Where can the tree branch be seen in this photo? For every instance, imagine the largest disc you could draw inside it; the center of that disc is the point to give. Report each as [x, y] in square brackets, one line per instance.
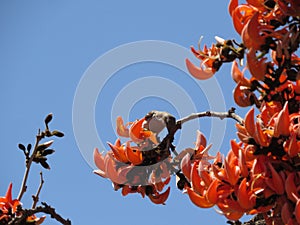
[230, 114]
[44, 209]
[28, 165]
[36, 197]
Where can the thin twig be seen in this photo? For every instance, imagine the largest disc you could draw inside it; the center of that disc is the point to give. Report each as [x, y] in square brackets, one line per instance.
[45, 208]
[36, 196]
[28, 165]
[230, 114]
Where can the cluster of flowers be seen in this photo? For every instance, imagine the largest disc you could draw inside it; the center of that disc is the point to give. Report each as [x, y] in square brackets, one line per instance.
[261, 172]
[11, 209]
[141, 168]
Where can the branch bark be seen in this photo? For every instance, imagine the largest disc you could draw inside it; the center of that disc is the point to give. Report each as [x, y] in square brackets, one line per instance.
[28, 165]
[45, 208]
[222, 115]
[36, 196]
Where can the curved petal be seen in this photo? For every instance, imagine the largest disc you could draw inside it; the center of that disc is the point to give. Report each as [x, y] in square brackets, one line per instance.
[99, 159]
[257, 67]
[211, 194]
[198, 72]
[240, 16]
[8, 194]
[238, 76]
[232, 5]
[242, 163]
[185, 166]
[243, 196]
[250, 123]
[196, 179]
[282, 124]
[234, 215]
[241, 96]
[290, 186]
[275, 181]
[199, 200]
[119, 152]
[252, 33]
[137, 133]
[292, 146]
[201, 140]
[160, 198]
[133, 154]
[122, 130]
[232, 171]
[112, 172]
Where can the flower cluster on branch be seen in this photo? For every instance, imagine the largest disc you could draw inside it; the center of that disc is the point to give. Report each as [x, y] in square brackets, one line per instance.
[260, 175]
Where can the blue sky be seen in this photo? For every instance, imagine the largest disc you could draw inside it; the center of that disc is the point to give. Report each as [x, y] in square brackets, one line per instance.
[46, 48]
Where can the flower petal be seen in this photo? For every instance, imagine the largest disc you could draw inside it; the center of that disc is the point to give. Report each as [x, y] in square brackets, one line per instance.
[198, 72]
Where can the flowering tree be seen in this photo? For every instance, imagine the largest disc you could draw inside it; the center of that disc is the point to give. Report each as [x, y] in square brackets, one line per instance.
[12, 211]
[260, 175]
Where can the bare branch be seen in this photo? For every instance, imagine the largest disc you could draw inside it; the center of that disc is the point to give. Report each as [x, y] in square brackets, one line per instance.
[230, 114]
[36, 197]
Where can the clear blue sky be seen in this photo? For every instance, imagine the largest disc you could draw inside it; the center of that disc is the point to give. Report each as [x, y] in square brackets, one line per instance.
[46, 47]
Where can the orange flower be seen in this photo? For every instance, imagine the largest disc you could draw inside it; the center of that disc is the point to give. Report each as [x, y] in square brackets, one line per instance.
[200, 73]
[7, 204]
[35, 220]
[9, 209]
[136, 131]
[243, 96]
[254, 34]
[238, 75]
[211, 60]
[139, 168]
[241, 14]
[257, 67]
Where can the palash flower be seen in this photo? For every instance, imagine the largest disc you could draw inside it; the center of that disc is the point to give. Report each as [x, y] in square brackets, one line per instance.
[282, 147]
[147, 181]
[240, 14]
[256, 66]
[218, 184]
[257, 20]
[8, 205]
[257, 175]
[254, 32]
[269, 12]
[238, 75]
[9, 209]
[211, 60]
[243, 96]
[273, 123]
[138, 168]
[260, 173]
